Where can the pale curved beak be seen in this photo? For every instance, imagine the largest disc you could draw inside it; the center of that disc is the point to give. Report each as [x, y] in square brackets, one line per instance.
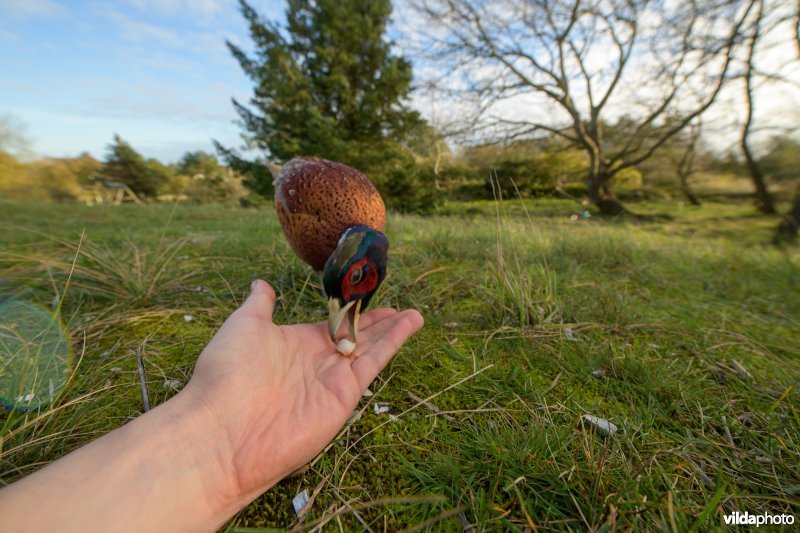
[337, 313]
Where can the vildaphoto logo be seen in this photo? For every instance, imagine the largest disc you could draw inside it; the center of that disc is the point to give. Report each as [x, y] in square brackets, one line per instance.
[746, 519]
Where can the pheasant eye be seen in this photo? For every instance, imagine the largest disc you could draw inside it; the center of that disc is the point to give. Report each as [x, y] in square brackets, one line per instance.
[356, 276]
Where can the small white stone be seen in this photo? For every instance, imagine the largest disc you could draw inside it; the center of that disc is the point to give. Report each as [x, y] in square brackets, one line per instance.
[601, 426]
[188, 318]
[299, 503]
[345, 347]
[173, 384]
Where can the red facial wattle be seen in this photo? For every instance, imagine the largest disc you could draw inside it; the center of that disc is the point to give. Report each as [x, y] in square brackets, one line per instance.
[366, 283]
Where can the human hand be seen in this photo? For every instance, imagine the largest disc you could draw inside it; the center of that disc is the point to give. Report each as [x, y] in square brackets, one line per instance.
[279, 394]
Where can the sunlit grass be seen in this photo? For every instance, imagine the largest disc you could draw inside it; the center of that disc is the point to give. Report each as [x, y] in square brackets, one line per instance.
[522, 305]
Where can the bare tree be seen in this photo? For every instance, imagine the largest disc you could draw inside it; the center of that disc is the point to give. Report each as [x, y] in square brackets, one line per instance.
[685, 165]
[13, 140]
[797, 27]
[564, 67]
[790, 223]
[764, 201]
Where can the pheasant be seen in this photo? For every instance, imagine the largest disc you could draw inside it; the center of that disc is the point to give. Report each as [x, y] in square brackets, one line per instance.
[334, 217]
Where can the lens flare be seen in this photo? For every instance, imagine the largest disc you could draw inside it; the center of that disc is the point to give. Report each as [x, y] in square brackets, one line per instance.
[35, 355]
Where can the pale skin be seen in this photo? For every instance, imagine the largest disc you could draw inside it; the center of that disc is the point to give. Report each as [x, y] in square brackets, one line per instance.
[263, 401]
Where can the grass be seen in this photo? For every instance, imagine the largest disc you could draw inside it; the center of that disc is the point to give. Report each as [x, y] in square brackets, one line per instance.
[680, 327]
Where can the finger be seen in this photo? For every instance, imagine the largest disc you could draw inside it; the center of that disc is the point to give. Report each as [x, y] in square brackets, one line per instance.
[261, 300]
[378, 328]
[373, 317]
[372, 324]
[318, 332]
[385, 344]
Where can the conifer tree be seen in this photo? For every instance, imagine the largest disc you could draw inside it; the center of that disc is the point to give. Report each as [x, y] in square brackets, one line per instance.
[126, 165]
[326, 85]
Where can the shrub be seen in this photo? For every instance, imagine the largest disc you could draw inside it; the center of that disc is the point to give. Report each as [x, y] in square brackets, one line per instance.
[404, 185]
[58, 180]
[782, 161]
[627, 178]
[535, 175]
[407, 186]
[215, 189]
[16, 179]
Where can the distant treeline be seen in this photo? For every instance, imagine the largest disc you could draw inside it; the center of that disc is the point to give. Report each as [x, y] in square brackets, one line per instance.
[124, 175]
[525, 168]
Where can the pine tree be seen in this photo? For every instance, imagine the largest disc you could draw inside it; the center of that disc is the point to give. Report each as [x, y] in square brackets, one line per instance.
[126, 165]
[146, 177]
[326, 85]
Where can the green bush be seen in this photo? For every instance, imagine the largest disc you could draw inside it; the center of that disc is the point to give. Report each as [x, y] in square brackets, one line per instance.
[534, 175]
[782, 161]
[408, 187]
[457, 173]
[215, 189]
[58, 179]
[467, 191]
[404, 185]
[627, 178]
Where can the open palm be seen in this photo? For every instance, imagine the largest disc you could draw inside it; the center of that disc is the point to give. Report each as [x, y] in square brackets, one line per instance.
[281, 393]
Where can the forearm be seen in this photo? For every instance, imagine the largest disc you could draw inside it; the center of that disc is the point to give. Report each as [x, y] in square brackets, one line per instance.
[164, 471]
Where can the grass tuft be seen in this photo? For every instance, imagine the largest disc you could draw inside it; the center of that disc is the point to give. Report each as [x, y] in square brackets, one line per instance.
[679, 327]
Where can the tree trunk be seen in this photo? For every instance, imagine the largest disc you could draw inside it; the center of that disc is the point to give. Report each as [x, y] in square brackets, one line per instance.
[790, 223]
[764, 201]
[600, 194]
[686, 189]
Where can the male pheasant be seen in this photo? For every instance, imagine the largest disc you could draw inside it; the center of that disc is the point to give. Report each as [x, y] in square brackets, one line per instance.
[333, 218]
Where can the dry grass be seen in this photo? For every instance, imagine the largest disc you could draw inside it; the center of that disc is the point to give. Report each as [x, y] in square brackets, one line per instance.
[522, 305]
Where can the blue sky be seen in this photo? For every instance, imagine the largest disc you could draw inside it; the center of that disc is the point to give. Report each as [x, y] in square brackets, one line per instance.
[157, 72]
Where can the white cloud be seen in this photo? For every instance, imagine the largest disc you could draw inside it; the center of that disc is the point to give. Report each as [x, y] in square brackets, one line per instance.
[142, 32]
[8, 36]
[67, 133]
[205, 13]
[32, 8]
[173, 7]
[777, 103]
[163, 102]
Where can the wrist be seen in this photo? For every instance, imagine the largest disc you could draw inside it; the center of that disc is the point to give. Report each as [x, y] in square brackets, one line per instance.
[167, 470]
[238, 474]
[209, 452]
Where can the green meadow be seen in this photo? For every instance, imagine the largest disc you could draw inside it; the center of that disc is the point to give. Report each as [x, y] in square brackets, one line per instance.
[681, 326]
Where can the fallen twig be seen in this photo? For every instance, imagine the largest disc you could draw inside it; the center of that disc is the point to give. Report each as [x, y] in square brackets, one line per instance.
[707, 481]
[728, 435]
[142, 379]
[429, 398]
[432, 407]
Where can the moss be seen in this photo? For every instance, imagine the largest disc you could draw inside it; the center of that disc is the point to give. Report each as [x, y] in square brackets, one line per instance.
[663, 303]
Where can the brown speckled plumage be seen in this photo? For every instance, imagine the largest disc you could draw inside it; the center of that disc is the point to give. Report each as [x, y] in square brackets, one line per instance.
[316, 199]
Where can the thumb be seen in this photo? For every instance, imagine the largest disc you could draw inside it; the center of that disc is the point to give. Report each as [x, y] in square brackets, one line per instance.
[261, 300]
